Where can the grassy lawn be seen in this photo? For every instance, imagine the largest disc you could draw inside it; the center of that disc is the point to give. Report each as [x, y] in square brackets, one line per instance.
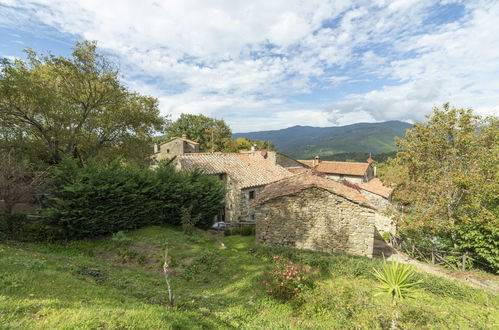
[118, 284]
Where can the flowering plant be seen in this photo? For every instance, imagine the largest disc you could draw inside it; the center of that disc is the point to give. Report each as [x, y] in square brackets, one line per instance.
[285, 279]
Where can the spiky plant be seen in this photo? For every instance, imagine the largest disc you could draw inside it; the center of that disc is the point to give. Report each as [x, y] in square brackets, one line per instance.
[397, 280]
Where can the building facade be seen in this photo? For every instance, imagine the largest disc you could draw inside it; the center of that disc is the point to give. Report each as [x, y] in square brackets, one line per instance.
[245, 175]
[174, 147]
[310, 212]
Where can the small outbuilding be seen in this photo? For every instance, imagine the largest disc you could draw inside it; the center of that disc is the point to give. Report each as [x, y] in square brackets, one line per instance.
[311, 212]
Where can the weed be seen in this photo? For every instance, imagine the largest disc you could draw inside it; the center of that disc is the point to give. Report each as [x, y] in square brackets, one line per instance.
[121, 238]
[202, 266]
[126, 255]
[96, 274]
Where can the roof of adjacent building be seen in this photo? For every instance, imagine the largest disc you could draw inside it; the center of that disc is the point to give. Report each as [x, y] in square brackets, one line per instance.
[180, 138]
[297, 183]
[375, 186]
[330, 167]
[247, 170]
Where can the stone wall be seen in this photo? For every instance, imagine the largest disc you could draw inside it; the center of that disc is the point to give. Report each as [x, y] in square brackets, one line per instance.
[283, 160]
[237, 202]
[350, 178]
[175, 147]
[385, 224]
[316, 219]
[247, 213]
[381, 203]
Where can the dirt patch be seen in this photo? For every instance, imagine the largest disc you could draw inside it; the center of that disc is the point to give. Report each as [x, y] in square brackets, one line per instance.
[137, 255]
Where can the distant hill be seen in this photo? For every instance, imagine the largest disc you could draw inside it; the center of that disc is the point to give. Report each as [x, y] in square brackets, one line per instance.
[305, 142]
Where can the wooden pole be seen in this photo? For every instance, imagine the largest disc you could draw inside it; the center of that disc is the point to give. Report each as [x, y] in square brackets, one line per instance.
[464, 262]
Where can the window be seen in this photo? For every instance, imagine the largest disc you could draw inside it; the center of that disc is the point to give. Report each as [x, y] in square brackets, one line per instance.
[221, 176]
[251, 194]
[167, 151]
[252, 216]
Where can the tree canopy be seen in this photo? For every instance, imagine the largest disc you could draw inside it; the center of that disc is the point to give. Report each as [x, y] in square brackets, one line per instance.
[54, 106]
[447, 176]
[210, 133]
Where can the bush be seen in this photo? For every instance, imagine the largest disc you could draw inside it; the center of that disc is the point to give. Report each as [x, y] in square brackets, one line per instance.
[100, 199]
[285, 280]
[246, 230]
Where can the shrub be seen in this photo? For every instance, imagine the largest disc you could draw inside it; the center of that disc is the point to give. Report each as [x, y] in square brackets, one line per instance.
[285, 280]
[397, 280]
[246, 230]
[100, 199]
[188, 221]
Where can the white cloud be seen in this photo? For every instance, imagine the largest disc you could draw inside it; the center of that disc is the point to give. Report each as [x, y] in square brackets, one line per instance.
[248, 60]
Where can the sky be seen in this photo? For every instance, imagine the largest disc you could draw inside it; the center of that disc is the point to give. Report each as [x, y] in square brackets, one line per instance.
[271, 64]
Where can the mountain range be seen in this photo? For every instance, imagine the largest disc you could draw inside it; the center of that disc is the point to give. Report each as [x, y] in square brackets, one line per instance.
[305, 142]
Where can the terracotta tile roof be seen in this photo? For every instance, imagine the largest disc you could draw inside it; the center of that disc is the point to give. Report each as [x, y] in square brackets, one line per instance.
[338, 167]
[299, 170]
[375, 186]
[180, 138]
[247, 170]
[297, 183]
[308, 162]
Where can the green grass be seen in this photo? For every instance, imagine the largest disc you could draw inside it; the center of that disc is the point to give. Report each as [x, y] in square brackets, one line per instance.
[118, 284]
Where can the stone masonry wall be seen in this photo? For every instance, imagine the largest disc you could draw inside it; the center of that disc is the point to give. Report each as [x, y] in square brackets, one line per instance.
[378, 201]
[246, 210]
[318, 220]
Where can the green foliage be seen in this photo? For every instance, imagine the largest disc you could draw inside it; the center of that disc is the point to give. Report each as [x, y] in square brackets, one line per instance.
[455, 156]
[246, 230]
[304, 142]
[241, 143]
[203, 267]
[53, 106]
[397, 281]
[64, 286]
[202, 129]
[101, 199]
[121, 238]
[188, 221]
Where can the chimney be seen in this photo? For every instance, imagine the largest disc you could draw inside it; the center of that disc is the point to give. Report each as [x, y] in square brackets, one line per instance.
[254, 148]
[184, 136]
[317, 160]
[156, 149]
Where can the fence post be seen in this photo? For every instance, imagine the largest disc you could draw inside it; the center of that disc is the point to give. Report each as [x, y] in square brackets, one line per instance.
[432, 257]
[464, 261]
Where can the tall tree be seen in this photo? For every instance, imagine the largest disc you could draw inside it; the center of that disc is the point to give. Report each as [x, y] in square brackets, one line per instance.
[210, 133]
[448, 177]
[74, 105]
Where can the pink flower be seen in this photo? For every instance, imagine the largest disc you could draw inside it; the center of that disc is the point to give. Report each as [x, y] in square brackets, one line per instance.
[282, 283]
[296, 289]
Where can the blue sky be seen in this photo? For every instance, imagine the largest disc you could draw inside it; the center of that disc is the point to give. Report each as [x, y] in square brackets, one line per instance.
[272, 64]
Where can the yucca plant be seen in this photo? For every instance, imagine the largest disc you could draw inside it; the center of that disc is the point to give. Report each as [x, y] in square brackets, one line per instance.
[397, 280]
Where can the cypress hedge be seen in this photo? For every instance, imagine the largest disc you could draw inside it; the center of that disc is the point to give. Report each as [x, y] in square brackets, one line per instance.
[100, 199]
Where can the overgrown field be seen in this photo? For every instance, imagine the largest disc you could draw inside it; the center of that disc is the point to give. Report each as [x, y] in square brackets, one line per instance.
[117, 283]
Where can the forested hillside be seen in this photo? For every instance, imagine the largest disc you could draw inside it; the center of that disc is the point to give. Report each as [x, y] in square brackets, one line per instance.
[305, 142]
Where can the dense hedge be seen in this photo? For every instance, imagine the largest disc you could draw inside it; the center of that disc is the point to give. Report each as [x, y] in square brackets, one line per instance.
[101, 199]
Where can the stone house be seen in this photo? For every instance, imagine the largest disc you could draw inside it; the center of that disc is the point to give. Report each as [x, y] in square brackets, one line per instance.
[173, 147]
[353, 172]
[376, 192]
[245, 175]
[307, 211]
